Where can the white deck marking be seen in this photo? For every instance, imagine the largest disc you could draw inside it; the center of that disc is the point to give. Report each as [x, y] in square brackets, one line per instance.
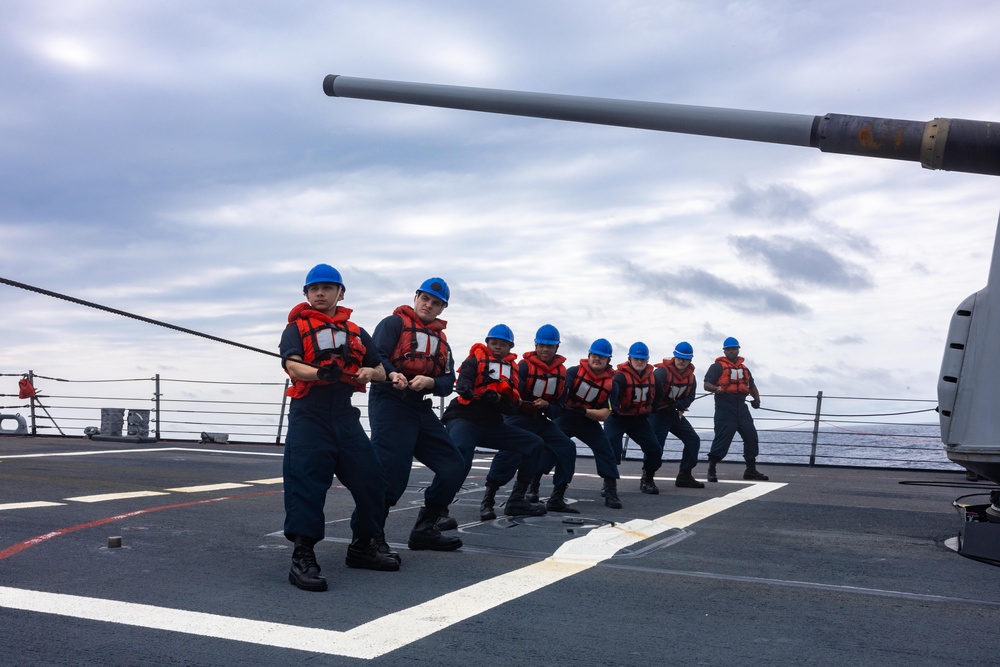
[100, 498]
[209, 487]
[138, 451]
[138, 494]
[28, 505]
[394, 631]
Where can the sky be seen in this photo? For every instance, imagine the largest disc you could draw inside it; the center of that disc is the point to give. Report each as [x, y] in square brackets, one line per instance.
[180, 161]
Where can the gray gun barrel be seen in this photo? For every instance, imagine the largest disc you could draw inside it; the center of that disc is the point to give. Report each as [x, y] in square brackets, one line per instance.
[970, 146]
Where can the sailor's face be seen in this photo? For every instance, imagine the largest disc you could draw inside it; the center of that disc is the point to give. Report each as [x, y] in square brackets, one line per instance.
[732, 353]
[597, 362]
[681, 364]
[638, 364]
[324, 296]
[546, 352]
[499, 348]
[427, 307]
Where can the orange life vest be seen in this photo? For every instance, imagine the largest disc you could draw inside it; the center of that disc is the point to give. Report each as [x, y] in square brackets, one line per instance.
[544, 381]
[589, 389]
[492, 373]
[640, 390]
[327, 341]
[678, 383]
[735, 378]
[422, 349]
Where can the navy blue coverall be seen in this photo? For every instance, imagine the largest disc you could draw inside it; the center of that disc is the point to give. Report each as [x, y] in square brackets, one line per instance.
[559, 450]
[481, 424]
[589, 432]
[637, 428]
[405, 426]
[667, 418]
[325, 438]
[732, 416]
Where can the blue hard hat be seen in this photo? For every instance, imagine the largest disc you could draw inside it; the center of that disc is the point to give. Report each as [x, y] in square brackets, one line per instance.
[436, 287]
[547, 335]
[683, 350]
[638, 351]
[730, 342]
[322, 273]
[601, 347]
[501, 331]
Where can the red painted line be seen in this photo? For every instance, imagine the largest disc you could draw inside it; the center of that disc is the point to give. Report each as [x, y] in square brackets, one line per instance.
[18, 548]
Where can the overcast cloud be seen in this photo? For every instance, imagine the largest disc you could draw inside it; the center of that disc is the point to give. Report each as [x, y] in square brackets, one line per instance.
[800, 261]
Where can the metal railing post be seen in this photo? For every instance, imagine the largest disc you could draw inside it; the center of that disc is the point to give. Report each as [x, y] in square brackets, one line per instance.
[281, 415]
[819, 409]
[156, 403]
[31, 403]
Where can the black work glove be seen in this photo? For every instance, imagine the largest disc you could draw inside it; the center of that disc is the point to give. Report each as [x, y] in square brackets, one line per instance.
[330, 373]
[491, 396]
[465, 394]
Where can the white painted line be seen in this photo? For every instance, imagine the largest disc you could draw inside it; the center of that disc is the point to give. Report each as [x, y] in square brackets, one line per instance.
[100, 498]
[162, 618]
[272, 480]
[139, 451]
[28, 505]
[226, 451]
[394, 631]
[93, 453]
[209, 487]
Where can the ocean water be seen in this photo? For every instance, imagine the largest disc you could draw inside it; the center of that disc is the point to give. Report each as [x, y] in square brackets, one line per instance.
[915, 446]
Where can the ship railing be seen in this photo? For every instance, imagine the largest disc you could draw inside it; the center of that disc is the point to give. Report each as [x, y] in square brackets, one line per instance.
[812, 429]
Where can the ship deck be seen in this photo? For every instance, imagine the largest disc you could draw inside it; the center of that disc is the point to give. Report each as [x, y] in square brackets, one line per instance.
[817, 566]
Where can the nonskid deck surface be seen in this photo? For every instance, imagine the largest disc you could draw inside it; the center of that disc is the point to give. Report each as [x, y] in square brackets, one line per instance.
[817, 566]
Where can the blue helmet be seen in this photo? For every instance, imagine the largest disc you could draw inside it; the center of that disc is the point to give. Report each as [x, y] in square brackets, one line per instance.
[322, 273]
[601, 347]
[730, 342]
[683, 350]
[638, 351]
[547, 335]
[436, 287]
[501, 331]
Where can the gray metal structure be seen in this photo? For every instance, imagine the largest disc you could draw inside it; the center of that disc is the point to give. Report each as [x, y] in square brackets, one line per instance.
[969, 382]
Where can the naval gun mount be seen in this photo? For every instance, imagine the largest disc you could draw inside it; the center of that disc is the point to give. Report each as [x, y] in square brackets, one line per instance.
[969, 381]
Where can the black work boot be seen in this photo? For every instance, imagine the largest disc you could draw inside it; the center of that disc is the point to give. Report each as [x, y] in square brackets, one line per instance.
[611, 493]
[557, 501]
[384, 548]
[517, 505]
[686, 479]
[446, 522]
[305, 570]
[364, 553]
[486, 512]
[712, 477]
[752, 474]
[531, 495]
[426, 534]
[646, 483]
